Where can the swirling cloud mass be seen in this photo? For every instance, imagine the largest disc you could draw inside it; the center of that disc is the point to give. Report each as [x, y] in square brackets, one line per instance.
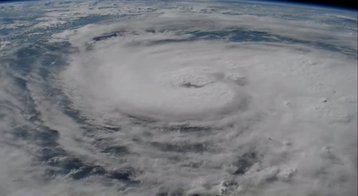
[159, 98]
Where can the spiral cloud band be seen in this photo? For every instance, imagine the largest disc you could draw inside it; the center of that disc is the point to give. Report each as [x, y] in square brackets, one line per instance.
[163, 82]
[180, 99]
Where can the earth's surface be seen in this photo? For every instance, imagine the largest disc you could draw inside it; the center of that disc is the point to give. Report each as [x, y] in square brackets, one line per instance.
[167, 98]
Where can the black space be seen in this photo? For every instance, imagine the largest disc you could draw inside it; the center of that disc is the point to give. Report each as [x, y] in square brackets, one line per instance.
[343, 4]
[13, 0]
[9, 1]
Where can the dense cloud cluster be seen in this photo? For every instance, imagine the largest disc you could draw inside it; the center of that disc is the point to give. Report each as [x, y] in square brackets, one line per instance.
[179, 99]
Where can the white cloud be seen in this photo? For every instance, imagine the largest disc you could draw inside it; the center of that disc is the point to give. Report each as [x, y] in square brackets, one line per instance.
[196, 116]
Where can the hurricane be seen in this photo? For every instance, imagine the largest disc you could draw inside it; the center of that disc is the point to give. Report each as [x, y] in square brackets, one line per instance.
[177, 98]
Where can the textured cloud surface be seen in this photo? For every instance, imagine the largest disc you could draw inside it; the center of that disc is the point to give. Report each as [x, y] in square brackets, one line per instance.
[111, 98]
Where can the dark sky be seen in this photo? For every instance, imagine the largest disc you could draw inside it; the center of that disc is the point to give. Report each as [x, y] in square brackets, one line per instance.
[5, 1]
[345, 4]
